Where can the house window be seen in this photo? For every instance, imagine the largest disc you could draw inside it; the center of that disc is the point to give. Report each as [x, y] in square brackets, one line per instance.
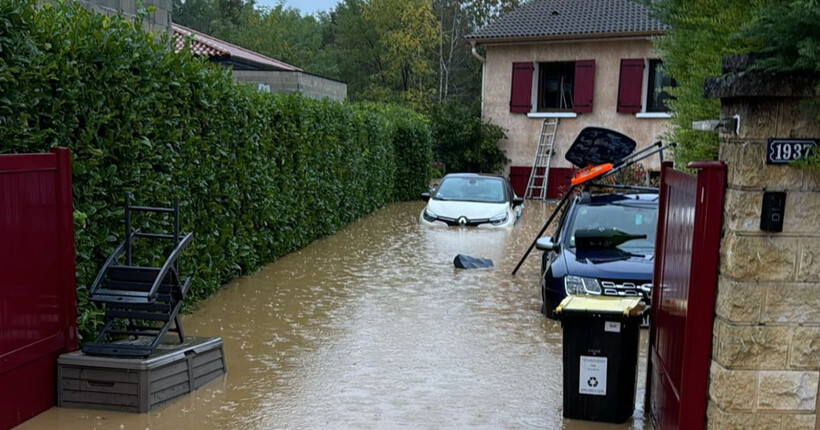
[560, 87]
[640, 88]
[555, 86]
[656, 96]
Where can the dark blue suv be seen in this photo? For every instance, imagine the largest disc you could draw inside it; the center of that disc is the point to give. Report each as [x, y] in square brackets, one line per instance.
[618, 262]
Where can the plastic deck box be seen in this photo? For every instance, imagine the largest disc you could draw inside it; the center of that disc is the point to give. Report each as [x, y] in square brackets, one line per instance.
[138, 384]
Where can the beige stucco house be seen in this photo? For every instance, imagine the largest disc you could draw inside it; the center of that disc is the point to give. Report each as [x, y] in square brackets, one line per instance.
[585, 62]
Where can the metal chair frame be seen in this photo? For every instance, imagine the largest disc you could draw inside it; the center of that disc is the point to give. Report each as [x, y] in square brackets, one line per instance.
[138, 293]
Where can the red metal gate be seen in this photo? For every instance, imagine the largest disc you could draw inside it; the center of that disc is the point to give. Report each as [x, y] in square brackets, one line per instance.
[37, 296]
[683, 294]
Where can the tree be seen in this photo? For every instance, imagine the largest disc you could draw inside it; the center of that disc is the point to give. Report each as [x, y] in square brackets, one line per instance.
[462, 141]
[788, 32]
[703, 31]
[457, 69]
[407, 34]
[357, 50]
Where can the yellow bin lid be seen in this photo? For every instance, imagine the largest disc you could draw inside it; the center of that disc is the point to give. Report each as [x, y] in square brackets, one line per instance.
[626, 306]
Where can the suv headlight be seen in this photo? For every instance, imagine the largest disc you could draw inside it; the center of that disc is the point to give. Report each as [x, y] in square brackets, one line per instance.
[581, 285]
[429, 215]
[499, 219]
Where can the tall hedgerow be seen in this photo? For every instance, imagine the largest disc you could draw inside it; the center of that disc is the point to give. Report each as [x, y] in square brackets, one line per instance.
[258, 175]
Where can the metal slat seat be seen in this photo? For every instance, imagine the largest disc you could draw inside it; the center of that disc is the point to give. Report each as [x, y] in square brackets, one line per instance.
[132, 293]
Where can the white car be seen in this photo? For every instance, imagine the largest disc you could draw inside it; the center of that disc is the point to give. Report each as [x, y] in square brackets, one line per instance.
[472, 200]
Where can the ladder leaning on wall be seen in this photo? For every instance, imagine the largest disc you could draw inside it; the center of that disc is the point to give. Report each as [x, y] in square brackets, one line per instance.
[543, 155]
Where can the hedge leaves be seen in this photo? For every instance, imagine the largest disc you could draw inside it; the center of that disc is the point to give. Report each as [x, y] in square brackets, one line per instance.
[258, 175]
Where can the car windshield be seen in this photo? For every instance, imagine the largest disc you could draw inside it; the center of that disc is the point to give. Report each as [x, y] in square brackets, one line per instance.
[485, 190]
[631, 219]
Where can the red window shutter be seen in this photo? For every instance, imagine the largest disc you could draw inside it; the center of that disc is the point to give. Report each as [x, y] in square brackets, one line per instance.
[631, 85]
[584, 86]
[521, 94]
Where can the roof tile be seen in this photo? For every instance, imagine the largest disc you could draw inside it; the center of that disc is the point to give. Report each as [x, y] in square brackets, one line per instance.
[556, 18]
[205, 45]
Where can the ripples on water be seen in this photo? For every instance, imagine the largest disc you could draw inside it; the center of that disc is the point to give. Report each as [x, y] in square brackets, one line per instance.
[374, 328]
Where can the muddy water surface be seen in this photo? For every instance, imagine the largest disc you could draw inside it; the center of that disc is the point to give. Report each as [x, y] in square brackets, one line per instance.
[374, 328]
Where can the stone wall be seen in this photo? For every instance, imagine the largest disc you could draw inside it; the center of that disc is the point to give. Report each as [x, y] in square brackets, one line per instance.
[766, 337]
[312, 86]
[158, 21]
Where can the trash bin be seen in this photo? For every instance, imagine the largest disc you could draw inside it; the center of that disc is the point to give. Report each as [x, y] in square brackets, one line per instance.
[600, 356]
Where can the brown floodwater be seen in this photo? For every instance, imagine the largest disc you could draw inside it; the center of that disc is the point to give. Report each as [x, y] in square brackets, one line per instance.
[374, 328]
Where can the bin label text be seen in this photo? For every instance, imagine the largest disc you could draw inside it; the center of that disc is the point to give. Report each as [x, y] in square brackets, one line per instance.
[612, 326]
[593, 376]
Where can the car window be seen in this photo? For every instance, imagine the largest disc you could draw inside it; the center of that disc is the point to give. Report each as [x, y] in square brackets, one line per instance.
[488, 190]
[631, 219]
[561, 221]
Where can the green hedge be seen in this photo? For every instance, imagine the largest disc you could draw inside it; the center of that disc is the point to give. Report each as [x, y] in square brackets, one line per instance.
[258, 175]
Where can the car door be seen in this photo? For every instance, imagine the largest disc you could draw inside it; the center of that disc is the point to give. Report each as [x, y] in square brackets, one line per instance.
[549, 257]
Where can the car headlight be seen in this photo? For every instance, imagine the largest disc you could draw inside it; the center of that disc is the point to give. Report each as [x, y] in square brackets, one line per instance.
[581, 285]
[429, 215]
[499, 219]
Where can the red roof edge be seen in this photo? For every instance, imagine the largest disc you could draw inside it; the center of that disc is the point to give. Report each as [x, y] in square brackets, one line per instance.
[206, 45]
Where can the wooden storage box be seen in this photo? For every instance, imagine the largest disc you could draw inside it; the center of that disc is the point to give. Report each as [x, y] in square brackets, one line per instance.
[138, 385]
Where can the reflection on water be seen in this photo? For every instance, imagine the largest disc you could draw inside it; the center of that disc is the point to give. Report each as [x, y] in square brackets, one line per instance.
[374, 328]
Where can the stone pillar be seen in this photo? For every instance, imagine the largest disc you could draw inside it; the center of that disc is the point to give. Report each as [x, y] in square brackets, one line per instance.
[766, 336]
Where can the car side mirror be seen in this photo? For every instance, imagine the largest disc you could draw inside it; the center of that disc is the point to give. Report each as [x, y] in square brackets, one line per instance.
[546, 244]
[426, 196]
[518, 201]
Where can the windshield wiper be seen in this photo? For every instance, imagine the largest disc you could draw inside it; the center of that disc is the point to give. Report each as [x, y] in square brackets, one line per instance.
[603, 238]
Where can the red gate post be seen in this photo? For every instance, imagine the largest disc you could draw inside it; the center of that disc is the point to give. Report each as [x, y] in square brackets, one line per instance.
[697, 348]
[683, 295]
[65, 250]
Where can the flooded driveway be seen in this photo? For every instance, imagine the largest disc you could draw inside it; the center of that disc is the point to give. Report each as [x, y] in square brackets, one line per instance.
[374, 328]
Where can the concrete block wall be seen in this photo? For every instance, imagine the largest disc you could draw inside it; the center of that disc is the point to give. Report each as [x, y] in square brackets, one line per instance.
[315, 87]
[766, 338]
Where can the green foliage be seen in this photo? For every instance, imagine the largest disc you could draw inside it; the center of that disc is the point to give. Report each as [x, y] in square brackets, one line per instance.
[408, 52]
[701, 34]
[258, 175]
[412, 145]
[634, 174]
[463, 142]
[788, 32]
[389, 51]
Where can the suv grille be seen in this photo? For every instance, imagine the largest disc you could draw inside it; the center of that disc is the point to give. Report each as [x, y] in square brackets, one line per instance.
[627, 289]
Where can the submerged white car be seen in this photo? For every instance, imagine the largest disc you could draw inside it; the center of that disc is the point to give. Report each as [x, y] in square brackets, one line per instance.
[472, 200]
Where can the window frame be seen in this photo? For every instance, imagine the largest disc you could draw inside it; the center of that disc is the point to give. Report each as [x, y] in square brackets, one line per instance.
[537, 93]
[649, 88]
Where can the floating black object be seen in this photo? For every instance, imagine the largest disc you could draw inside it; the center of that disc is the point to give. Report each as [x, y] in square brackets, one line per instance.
[466, 262]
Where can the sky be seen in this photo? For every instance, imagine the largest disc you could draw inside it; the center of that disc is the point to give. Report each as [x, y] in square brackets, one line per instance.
[306, 6]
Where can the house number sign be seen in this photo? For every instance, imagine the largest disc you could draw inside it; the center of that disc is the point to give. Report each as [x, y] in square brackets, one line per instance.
[784, 151]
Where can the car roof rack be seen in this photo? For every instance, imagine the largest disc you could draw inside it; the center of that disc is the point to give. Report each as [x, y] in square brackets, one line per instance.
[600, 153]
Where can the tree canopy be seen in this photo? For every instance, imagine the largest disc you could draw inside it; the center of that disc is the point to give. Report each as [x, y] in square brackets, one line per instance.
[703, 32]
[407, 51]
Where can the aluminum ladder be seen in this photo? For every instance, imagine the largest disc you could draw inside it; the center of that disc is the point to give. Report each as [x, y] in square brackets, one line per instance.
[543, 156]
